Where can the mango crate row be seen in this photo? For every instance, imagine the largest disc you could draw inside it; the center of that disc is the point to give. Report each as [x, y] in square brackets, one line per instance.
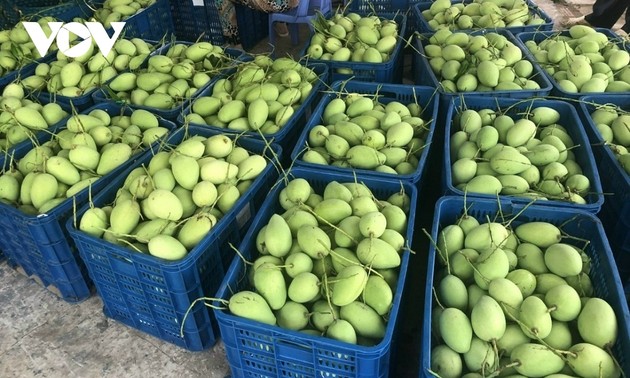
[45, 178]
[44, 186]
[568, 64]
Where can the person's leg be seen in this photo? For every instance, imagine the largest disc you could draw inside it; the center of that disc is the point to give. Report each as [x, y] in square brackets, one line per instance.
[574, 21]
[626, 25]
[271, 6]
[606, 13]
[281, 29]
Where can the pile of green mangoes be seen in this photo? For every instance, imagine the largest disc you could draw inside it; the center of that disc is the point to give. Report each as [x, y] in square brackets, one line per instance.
[613, 125]
[353, 38]
[120, 10]
[21, 118]
[17, 49]
[482, 63]
[528, 155]
[328, 263]
[171, 78]
[584, 60]
[516, 300]
[90, 146]
[168, 206]
[484, 14]
[74, 77]
[365, 132]
[262, 95]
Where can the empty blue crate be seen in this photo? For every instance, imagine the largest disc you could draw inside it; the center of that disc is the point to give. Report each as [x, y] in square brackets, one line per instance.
[194, 21]
[426, 97]
[257, 349]
[153, 294]
[253, 25]
[518, 109]
[386, 72]
[537, 37]
[580, 229]
[40, 244]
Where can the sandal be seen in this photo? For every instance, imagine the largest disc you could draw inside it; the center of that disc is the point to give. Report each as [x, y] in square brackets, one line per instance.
[575, 21]
[622, 33]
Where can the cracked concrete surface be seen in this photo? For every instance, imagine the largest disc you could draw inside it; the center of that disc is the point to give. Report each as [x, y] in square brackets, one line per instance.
[42, 336]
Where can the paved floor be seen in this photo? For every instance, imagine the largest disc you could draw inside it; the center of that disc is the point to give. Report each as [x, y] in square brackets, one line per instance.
[43, 336]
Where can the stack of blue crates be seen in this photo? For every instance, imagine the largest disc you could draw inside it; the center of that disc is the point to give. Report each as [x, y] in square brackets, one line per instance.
[604, 220]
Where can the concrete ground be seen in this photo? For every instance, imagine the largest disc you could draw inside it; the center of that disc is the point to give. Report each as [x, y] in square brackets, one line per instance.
[43, 336]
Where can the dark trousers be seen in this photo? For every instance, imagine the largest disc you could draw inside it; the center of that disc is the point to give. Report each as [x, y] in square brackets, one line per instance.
[606, 13]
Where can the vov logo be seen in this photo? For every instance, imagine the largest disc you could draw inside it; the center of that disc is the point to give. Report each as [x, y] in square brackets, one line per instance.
[89, 31]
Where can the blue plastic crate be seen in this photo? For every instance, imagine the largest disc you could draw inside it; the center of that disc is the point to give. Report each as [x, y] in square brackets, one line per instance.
[253, 26]
[40, 136]
[6, 79]
[61, 10]
[153, 295]
[41, 245]
[542, 35]
[604, 276]
[615, 181]
[568, 118]
[615, 213]
[193, 22]
[12, 11]
[260, 350]
[24, 71]
[618, 232]
[80, 103]
[378, 6]
[86, 100]
[385, 6]
[386, 72]
[287, 135]
[423, 25]
[424, 75]
[154, 22]
[589, 104]
[102, 95]
[427, 98]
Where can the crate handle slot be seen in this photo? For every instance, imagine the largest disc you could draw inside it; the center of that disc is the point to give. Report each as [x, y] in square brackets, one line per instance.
[122, 258]
[293, 350]
[387, 94]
